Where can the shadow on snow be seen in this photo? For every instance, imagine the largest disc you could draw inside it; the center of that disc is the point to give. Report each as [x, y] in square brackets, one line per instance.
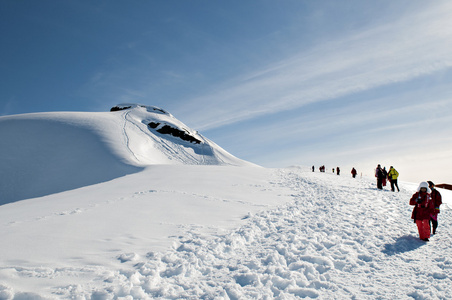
[403, 244]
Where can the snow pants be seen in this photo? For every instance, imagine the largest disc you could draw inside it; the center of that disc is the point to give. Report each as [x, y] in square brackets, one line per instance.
[423, 226]
[394, 184]
[434, 222]
[380, 184]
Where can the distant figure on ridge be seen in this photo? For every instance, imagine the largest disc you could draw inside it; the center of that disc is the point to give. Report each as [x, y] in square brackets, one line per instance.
[354, 172]
[333, 170]
[338, 171]
[379, 174]
[424, 207]
[313, 168]
[436, 197]
[392, 176]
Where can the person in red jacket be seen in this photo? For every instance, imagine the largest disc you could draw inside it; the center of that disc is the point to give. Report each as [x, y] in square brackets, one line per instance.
[436, 197]
[423, 208]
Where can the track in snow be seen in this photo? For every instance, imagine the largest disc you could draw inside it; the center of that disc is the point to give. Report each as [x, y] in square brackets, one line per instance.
[346, 240]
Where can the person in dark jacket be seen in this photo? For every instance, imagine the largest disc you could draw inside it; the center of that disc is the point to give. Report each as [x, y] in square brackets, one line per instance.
[380, 175]
[436, 197]
[354, 172]
[423, 208]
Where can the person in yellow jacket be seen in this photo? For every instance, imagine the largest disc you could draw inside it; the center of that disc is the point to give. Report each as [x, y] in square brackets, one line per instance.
[392, 175]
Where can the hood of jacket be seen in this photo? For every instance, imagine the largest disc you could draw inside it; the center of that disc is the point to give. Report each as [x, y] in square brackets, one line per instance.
[424, 184]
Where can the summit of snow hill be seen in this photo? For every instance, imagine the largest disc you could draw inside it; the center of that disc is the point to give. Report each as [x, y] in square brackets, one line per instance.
[50, 152]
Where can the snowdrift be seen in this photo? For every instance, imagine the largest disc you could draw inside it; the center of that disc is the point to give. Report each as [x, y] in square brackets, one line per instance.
[46, 153]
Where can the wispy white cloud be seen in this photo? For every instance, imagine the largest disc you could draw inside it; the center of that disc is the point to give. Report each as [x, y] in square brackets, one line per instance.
[416, 45]
[356, 133]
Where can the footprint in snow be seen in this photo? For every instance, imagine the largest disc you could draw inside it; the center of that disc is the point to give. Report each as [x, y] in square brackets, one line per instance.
[125, 257]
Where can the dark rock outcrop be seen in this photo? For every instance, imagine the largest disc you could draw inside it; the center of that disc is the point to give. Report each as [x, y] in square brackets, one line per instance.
[117, 108]
[444, 186]
[148, 108]
[166, 129]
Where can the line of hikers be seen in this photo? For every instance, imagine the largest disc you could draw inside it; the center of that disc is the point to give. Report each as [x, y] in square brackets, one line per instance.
[338, 170]
[322, 169]
[426, 200]
[383, 175]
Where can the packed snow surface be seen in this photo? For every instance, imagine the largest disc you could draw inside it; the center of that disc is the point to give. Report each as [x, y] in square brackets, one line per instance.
[219, 232]
[108, 206]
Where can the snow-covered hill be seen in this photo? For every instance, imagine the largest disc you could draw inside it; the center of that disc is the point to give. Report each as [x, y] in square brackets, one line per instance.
[135, 205]
[45, 153]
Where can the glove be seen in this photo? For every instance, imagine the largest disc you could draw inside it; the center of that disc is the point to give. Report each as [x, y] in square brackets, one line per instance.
[418, 200]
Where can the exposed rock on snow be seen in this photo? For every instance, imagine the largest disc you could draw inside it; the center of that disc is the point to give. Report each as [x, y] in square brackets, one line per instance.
[445, 186]
[166, 129]
[147, 107]
[118, 108]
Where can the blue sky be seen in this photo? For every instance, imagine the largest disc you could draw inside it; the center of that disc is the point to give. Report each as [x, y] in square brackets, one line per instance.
[278, 83]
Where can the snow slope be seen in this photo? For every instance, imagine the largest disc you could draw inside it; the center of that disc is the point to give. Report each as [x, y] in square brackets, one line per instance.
[114, 206]
[218, 232]
[45, 153]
